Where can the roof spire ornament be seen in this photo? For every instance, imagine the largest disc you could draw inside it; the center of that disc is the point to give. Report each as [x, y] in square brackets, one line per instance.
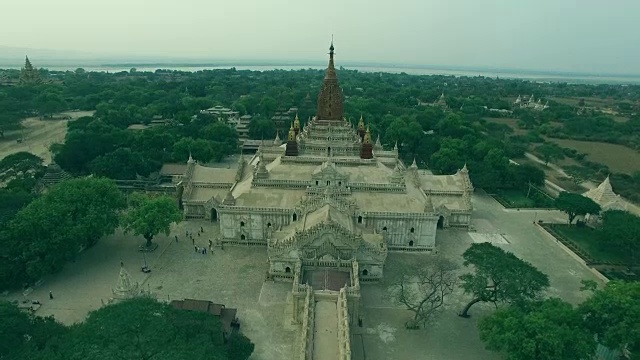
[414, 166]
[330, 105]
[277, 141]
[367, 136]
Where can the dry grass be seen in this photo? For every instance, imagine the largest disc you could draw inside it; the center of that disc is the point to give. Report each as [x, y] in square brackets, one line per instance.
[618, 158]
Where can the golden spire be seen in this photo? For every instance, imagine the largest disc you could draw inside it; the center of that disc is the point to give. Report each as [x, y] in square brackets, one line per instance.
[361, 123]
[292, 134]
[296, 123]
[367, 136]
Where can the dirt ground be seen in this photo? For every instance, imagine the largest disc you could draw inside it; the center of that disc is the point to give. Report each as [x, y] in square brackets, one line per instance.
[38, 135]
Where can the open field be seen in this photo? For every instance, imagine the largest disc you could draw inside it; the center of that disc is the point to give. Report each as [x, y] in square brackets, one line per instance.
[618, 158]
[38, 135]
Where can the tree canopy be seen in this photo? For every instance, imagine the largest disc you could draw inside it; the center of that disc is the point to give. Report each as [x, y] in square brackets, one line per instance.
[576, 204]
[149, 216]
[621, 229]
[499, 277]
[53, 228]
[139, 328]
[550, 329]
[613, 314]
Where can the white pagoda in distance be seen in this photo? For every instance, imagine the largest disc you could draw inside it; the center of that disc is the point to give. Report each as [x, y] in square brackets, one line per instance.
[605, 197]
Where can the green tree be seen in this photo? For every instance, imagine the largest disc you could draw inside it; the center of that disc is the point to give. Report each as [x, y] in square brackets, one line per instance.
[23, 334]
[499, 277]
[150, 216]
[549, 153]
[54, 227]
[138, 328]
[622, 230]
[21, 171]
[576, 204]
[262, 128]
[544, 330]
[613, 314]
[121, 164]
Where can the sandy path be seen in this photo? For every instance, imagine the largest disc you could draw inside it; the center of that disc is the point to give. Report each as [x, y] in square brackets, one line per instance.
[38, 136]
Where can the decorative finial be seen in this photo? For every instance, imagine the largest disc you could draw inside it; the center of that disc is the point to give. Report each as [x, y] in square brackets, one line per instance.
[296, 122]
[413, 164]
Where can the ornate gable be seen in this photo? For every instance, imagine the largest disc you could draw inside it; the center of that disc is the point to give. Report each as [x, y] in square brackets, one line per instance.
[328, 172]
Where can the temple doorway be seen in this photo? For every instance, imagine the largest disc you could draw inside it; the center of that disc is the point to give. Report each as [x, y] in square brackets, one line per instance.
[214, 215]
[441, 222]
[329, 151]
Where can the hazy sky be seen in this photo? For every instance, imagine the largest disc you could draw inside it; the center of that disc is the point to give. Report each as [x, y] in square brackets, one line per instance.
[580, 35]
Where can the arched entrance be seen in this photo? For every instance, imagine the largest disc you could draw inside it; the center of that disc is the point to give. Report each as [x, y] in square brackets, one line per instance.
[214, 215]
[365, 272]
[329, 151]
[441, 222]
[287, 270]
[411, 243]
[242, 237]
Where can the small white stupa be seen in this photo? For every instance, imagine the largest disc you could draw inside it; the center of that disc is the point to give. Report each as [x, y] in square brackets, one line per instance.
[604, 196]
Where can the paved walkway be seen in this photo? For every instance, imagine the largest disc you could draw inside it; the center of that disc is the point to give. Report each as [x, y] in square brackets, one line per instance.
[325, 337]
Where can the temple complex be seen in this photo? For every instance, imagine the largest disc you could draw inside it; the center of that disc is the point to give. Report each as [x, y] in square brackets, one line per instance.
[329, 204]
[326, 197]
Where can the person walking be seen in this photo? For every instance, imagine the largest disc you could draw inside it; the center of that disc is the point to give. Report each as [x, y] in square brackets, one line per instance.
[193, 241]
[50, 295]
[201, 229]
[195, 247]
[176, 238]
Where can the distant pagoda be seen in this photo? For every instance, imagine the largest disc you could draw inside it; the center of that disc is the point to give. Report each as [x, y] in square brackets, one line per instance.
[29, 75]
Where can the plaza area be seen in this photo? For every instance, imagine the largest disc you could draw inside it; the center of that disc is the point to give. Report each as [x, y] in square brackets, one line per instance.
[235, 276]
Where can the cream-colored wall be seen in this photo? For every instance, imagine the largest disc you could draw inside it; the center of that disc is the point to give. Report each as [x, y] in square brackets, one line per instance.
[399, 233]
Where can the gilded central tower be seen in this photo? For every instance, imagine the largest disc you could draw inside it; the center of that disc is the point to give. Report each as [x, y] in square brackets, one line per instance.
[330, 97]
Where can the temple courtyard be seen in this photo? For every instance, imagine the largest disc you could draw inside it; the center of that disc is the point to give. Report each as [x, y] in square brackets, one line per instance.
[235, 276]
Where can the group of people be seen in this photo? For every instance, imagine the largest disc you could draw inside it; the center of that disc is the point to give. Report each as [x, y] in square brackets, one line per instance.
[196, 248]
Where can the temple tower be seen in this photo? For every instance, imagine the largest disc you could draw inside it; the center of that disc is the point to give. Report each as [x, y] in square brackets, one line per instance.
[330, 97]
[296, 125]
[366, 151]
[28, 74]
[361, 129]
[292, 145]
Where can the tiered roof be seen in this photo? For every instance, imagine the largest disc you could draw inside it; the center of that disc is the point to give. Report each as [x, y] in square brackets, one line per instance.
[605, 197]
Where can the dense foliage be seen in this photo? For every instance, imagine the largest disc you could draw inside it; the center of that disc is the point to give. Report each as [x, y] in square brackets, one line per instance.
[140, 328]
[54, 227]
[550, 329]
[394, 105]
[613, 314]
